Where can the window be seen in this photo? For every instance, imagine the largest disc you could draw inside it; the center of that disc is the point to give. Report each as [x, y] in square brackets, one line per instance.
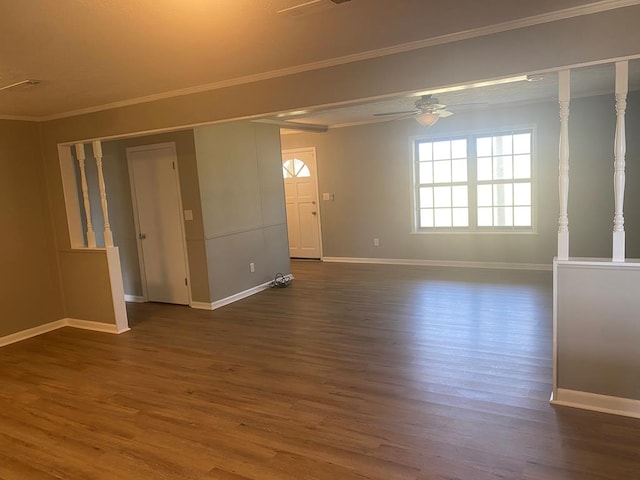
[477, 182]
[295, 168]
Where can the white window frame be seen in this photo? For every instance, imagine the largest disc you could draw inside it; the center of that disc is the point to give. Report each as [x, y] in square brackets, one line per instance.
[472, 182]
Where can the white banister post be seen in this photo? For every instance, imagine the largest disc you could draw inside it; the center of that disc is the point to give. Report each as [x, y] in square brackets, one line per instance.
[620, 148]
[91, 236]
[97, 153]
[564, 97]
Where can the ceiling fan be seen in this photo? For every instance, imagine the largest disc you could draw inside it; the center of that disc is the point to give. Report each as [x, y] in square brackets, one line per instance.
[428, 110]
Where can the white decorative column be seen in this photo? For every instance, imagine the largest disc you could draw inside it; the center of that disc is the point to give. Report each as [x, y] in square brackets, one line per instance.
[97, 153]
[91, 236]
[620, 148]
[564, 96]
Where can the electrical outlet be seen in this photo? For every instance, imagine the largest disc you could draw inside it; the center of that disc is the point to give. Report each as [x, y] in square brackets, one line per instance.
[252, 267]
[376, 242]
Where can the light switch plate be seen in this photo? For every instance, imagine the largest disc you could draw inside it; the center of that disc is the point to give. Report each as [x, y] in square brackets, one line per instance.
[188, 214]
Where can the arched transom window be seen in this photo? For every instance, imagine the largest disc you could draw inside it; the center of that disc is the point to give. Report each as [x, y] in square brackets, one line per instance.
[295, 168]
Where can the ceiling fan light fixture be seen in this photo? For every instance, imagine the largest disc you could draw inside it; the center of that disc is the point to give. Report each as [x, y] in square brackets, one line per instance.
[427, 119]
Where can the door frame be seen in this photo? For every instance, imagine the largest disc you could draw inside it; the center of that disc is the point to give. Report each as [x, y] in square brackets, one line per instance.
[315, 172]
[136, 220]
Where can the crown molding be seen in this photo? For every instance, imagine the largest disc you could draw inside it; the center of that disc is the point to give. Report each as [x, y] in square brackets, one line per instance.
[21, 118]
[593, 8]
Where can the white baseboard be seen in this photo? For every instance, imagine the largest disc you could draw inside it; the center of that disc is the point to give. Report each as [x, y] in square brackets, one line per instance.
[201, 305]
[94, 326]
[235, 297]
[133, 298]
[599, 403]
[31, 332]
[441, 263]
[64, 322]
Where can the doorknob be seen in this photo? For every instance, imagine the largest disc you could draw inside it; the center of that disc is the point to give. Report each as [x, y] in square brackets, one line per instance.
[314, 213]
[142, 236]
[313, 202]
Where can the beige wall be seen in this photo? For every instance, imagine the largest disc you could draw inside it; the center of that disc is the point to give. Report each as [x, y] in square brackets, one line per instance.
[29, 284]
[369, 169]
[544, 46]
[243, 208]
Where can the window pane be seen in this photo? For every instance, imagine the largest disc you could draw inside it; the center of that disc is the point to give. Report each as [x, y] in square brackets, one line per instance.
[426, 197]
[485, 196]
[442, 171]
[459, 170]
[426, 172]
[303, 172]
[485, 169]
[441, 150]
[502, 168]
[503, 216]
[483, 147]
[442, 196]
[424, 151]
[522, 143]
[459, 148]
[503, 194]
[459, 194]
[286, 173]
[460, 217]
[522, 166]
[426, 218]
[442, 217]
[522, 194]
[502, 145]
[522, 216]
[485, 217]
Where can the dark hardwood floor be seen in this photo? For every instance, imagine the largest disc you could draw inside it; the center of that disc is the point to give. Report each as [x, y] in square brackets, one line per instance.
[353, 372]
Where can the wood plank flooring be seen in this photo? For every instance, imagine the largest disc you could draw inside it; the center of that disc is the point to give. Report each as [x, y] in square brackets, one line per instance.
[353, 372]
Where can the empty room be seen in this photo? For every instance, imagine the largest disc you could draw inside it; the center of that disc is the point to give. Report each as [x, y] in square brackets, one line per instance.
[287, 239]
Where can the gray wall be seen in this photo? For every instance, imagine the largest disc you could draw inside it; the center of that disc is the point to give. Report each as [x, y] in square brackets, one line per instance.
[240, 174]
[598, 329]
[368, 168]
[121, 207]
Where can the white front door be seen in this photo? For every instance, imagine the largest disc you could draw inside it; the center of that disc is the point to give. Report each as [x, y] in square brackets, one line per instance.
[301, 193]
[158, 214]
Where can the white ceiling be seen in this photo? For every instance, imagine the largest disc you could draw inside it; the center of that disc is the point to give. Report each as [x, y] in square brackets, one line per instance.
[93, 53]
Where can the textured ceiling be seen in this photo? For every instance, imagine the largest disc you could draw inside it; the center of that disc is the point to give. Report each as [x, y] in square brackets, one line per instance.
[89, 53]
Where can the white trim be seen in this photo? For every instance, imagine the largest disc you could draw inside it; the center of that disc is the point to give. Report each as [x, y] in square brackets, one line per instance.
[117, 289]
[94, 326]
[441, 263]
[567, 13]
[312, 150]
[31, 332]
[201, 305]
[554, 355]
[234, 298]
[55, 325]
[136, 219]
[133, 298]
[20, 118]
[596, 402]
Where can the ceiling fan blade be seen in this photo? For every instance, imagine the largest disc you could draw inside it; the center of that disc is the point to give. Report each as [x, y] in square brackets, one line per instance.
[444, 113]
[405, 112]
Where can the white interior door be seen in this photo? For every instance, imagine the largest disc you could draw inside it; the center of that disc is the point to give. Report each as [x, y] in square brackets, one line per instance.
[158, 214]
[301, 192]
